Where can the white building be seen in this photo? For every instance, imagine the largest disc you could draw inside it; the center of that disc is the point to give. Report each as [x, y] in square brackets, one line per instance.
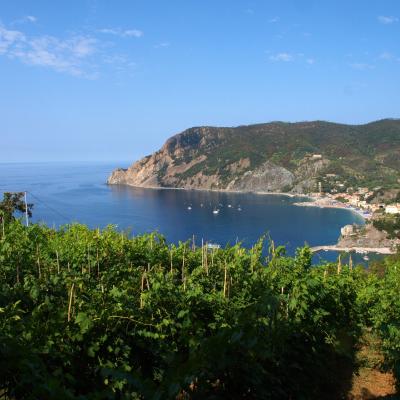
[392, 209]
[316, 156]
[347, 230]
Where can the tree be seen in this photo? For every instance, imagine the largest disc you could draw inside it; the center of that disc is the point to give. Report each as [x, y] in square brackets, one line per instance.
[13, 203]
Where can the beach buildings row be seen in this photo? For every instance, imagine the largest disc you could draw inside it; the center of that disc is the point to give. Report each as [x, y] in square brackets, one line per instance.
[357, 200]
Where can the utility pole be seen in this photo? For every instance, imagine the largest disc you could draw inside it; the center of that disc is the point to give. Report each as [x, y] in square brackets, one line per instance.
[26, 210]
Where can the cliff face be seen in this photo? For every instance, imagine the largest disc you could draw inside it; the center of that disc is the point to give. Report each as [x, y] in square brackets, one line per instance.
[178, 164]
[266, 157]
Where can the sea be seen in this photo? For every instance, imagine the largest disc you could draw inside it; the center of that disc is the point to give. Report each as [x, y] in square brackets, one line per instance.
[64, 193]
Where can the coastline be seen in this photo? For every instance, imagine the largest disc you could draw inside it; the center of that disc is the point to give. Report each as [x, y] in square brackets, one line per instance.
[320, 202]
[360, 250]
[311, 201]
[262, 193]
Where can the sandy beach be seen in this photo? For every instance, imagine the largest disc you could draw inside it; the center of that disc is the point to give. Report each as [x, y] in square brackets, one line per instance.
[361, 250]
[325, 202]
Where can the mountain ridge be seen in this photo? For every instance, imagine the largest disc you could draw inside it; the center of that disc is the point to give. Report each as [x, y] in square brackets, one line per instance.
[274, 156]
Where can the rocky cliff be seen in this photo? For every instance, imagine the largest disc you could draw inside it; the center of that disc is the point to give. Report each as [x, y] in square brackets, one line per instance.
[276, 156]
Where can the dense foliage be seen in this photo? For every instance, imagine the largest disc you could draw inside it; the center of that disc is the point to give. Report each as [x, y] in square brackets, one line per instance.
[389, 223]
[98, 315]
[383, 302]
[13, 203]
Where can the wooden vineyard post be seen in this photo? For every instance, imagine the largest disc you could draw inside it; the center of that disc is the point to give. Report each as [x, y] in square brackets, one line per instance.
[38, 261]
[183, 268]
[58, 262]
[225, 275]
[202, 253]
[88, 258]
[206, 258]
[98, 263]
[70, 301]
[141, 290]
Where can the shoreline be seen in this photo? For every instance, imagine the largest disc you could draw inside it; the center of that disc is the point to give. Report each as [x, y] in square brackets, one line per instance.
[310, 201]
[291, 195]
[316, 203]
[359, 250]
[313, 201]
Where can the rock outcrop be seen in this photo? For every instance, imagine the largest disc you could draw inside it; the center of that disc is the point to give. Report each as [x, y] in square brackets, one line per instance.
[365, 236]
[267, 177]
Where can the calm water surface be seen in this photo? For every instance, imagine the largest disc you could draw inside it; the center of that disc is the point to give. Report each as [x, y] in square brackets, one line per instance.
[66, 192]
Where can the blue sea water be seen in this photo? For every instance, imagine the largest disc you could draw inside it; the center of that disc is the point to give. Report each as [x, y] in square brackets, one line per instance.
[77, 192]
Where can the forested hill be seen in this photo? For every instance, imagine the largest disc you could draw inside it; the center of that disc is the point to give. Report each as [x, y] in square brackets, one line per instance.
[275, 156]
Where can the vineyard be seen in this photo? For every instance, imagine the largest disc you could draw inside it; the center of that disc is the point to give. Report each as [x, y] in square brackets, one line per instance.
[90, 314]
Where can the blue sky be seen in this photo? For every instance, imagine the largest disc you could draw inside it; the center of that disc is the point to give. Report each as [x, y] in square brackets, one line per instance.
[112, 80]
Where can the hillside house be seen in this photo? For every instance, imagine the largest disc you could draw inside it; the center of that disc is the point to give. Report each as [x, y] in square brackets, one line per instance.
[393, 209]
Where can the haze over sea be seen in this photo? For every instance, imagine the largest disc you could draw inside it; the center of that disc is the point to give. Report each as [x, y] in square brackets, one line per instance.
[76, 192]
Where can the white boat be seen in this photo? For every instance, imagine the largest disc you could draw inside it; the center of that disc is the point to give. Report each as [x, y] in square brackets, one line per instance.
[216, 211]
[239, 208]
[229, 206]
[213, 246]
[189, 208]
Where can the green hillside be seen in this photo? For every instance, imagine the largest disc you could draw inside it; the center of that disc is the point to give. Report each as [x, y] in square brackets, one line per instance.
[366, 155]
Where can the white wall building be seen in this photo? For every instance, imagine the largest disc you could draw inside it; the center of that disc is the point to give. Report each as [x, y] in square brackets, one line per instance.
[347, 230]
[392, 209]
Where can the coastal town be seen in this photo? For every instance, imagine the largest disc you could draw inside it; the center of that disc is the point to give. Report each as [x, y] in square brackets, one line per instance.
[355, 201]
[379, 208]
[336, 192]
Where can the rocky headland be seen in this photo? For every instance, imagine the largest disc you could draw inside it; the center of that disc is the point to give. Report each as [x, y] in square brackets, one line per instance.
[272, 157]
